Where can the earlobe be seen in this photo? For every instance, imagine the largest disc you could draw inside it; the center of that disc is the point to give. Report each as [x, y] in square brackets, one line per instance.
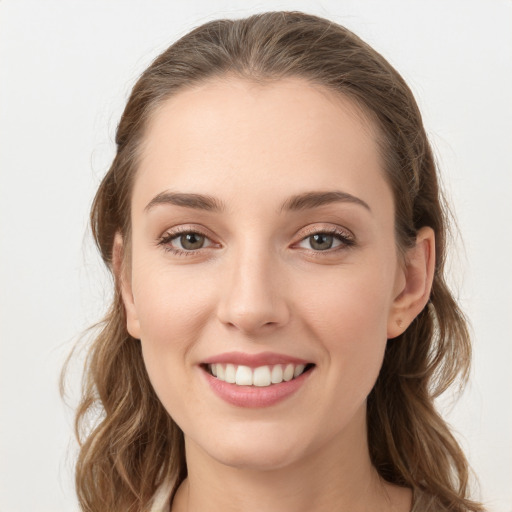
[418, 275]
[123, 281]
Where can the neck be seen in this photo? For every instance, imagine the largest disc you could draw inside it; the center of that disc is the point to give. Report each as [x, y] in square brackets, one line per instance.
[338, 476]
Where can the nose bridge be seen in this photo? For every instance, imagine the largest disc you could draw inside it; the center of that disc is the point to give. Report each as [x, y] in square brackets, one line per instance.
[252, 297]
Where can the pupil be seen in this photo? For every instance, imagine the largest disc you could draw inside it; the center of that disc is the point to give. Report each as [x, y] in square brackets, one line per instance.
[192, 241]
[321, 242]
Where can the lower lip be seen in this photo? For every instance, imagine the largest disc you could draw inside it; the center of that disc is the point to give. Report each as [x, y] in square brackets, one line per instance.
[254, 396]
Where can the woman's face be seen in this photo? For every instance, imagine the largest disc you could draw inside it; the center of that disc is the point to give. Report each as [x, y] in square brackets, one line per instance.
[263, 244]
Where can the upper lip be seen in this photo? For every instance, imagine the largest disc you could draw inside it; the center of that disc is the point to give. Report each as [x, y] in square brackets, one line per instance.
[254, 360]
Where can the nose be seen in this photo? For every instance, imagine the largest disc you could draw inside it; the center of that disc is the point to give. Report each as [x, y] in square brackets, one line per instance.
[253, 295]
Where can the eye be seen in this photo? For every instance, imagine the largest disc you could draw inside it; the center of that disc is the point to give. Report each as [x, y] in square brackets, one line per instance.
[183, 242]
[325, 240]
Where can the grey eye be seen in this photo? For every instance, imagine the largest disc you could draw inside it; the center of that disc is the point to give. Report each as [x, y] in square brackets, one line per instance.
[191, 241]
[321, 241]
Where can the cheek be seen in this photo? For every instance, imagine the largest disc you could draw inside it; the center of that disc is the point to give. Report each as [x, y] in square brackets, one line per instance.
[171, 305]
[172, 312]
[349, 318]
[352, 304]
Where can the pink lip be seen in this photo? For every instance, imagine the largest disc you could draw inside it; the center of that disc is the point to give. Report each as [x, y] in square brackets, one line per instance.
[253, 396]
[254, 360]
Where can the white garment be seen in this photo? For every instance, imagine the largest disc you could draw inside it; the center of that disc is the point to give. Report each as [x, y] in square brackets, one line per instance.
[422, 502]
[161, 501]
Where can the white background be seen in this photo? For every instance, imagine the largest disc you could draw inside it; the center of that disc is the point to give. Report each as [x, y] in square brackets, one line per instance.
[66, 68]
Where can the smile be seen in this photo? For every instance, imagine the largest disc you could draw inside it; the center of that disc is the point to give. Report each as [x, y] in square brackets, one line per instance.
[261, 376]
[256, 380]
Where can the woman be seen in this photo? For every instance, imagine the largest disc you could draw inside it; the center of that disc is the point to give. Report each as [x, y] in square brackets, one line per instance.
[281, 324]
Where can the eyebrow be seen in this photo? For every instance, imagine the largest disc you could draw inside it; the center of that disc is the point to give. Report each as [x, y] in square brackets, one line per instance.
[299, 202]
[195, 201]
[309, 200]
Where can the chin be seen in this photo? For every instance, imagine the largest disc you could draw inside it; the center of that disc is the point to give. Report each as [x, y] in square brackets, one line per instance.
[256, 458]
[258, 452]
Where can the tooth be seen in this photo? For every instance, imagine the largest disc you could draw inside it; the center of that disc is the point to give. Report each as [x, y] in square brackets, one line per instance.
[298, 370]
[230, 373]
[261, 376]
[277, 374]
[288, 372]
[243, 376]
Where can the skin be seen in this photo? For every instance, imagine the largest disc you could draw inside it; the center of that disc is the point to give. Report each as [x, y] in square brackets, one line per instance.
[259, 285]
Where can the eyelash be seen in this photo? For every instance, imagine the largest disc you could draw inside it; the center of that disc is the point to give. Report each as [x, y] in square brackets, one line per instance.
[347, 240]
[166, 239]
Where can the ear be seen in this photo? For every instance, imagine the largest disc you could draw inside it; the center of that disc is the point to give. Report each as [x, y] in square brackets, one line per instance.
[123, 279]
[415, 283]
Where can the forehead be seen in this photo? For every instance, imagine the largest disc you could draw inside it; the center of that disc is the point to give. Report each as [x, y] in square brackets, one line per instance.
[230, 137]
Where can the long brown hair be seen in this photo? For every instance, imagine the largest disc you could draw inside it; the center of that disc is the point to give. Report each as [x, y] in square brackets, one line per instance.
[131, 444]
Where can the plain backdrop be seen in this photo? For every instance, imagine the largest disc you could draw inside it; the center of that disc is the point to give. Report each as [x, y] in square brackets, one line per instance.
[66, 68]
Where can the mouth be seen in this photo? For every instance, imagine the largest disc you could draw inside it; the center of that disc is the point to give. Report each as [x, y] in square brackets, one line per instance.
[260, 376]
